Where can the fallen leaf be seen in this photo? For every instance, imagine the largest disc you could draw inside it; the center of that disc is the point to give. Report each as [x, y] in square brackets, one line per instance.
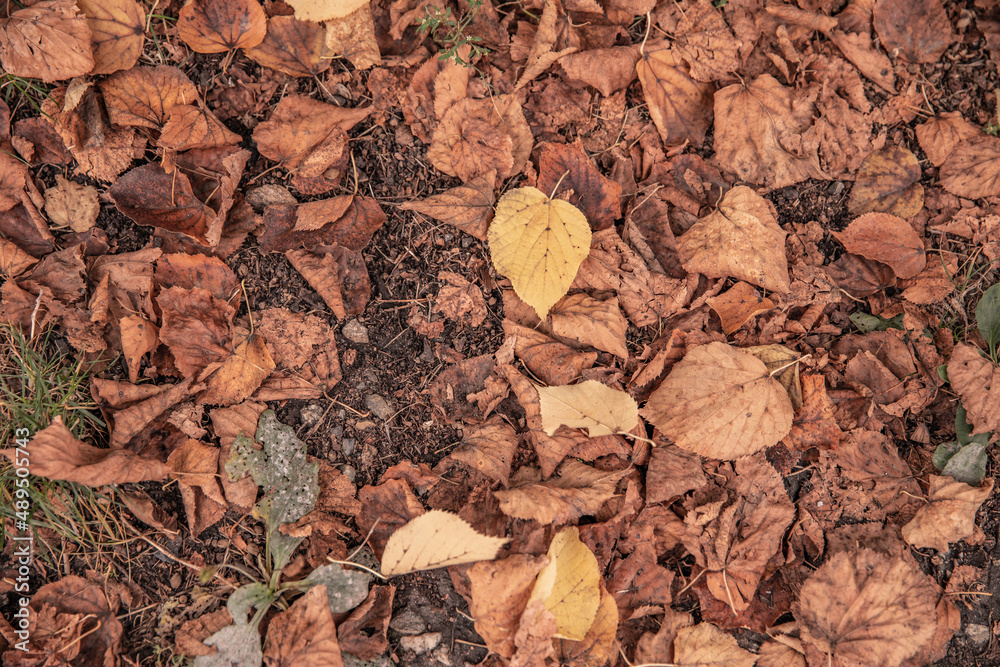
[977, 381]
[118, 29]
[301, 345]
[680, 106]
[353, 38]
[324, 10]
[144, 96]
[579, 490]
[326, 222]
[705, 644]
[459, 300]
[50, 40]
[499, 592]
[384, 509]
[478, 136]
[949, 515]
[241, 374]
[551, 361]
[940, 135]
[705, 42]
[228, 423]
[721, 403]
[864, 608]
[598, 647]
[190, 127]
[150, 196]
[72, 205]
[737, 305]
[339, 276]
[538, 243]
[197, 327]
[436, 539]
[741, 239]
[783, 366]
[672, 472]
[583, 321]
[547, 47]
[886, 238]
[567, 168]
[195, 466]
[569, 585]
[13, 260]
[888, 181]
[38, 142]
[919, 31]
[55, 454]
[590, 405]
[638, 582]
[217, 26]
[294, 47]
[488, 448]
[858, 48]
[304, 634]
[139, 337]
[363, 633]
[467, 207]
[971, 169]
[608, 70]
[860, 277]
[237, 644]
[758, 127]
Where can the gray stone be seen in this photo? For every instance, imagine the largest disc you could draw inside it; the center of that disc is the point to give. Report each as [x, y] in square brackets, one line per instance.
[349, 472]
[356, 332]
[977, 634]
[378, 406]
[312, 413]
[265, 195]
[408, 622]
[421, 643]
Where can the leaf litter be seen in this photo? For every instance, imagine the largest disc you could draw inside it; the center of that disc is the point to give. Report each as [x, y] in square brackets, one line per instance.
[611, 309]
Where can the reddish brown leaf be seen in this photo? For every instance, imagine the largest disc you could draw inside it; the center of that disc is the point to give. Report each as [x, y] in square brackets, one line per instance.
[918, 30]
[295, 47]
[738, 304]
[190, 127]
[478, 136]
[468, 207]
[150, 196]
[886, 238]
[196, 327]
[680, 106]
[940, 135]
[118, 28]
[339, 276]
[577, 491]
[144, 96]
[362, 634]
[570, 168]
[352, 230]
[217, 26]
[609, 70]
[305, 634]
[49, 40]
[888, 182]
[972, 169]
[861, 277]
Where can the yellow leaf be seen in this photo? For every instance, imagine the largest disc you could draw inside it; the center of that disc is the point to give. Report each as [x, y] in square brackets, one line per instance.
[539, 244]
[241, 374]
[436, 539]
[590, 405]
[324, 10]
[783, 364]
[704, 644]
[599, 647]
[570, 585]
[721, 403]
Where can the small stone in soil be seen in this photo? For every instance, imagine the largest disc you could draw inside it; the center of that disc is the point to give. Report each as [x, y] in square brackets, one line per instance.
[312, 413]
[347, 446]
[356, 332]
[977, 634]
[349, 472]
[408, 622]
[420, 643]
[378, 406]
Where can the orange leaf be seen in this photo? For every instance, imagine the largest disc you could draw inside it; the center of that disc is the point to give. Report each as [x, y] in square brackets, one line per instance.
[885, 238]
[217, 26]
[49, 40]
[118, 29]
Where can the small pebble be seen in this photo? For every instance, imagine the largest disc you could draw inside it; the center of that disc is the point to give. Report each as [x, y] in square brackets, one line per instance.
[378, 406]
[347, 446]
[312, 413]
[349, 472]
[265, 195]
[977, 634]
[420, 643]
[836, 188]
[356, 332]
[408, 622]
[175, 580]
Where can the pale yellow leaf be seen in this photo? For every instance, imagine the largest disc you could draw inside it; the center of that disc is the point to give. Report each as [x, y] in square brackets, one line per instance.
[436, 539]
[570, 585]
[705, 645]
[539, 244]
[721, 403]
[324, 10]
[590, 405]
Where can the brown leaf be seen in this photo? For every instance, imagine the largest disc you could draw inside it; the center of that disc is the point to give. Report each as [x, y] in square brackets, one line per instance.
[584, 321]
[815, 424]
[919, 30]
[305, 634]
[547, 47]
[467, 207]
[608, 70]
[150, 196]
[190, 127]
[139, 337]
[217, 26]
[680, 106]
[579, 490]
[118, 28]
[385, 508]
[949, 515]
[477, 136]
[13, 260]
[705, 644]
[189, 271]
[737, 305]
[860, 277]
[858, 48]
[72, 205]
[353, 37]
[362, 634]
[863, 608]
[550, 360]
[598, 647]
[55, 454]
[144, 96]
[321, 223]
[972, 170]
[189, 637]
[489, 448]
[49, 40]
[885, 238]
[294, 47]
[672, 472]
[227, 424]
[757, 133]
[302, 345]
[741, 239]
[339, 276]
[195, 466]
[459, 300]
[38, 142]
[888, 182]
[703, 39]
[940, 135]
[241, 374]
[569, 167]
[977, 381]
[197, 327]
[499, 591]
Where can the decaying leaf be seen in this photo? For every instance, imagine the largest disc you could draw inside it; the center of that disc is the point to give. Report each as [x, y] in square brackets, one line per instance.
[918, 30]
[577, 491]
[705, 644]
[598, 408]
[217, 26]
[721, 403]
[118, 29]
[294, 47]
[72, 205]
[738, 304]
[304, 634]
[680, 106]
[539, 244]
[468, 207]
[324, 10]
[864, 608]
[569, 585]
[970, 170]
[436, 539]
[49, 40]
[948, 516]
[888, 182]
[500, 591]
[583, 321]
[888, 239]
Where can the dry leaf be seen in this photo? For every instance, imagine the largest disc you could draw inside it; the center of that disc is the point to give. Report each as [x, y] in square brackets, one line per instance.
[363, 633]
[13, 260]
[353, 37]
[241, 374]
[918, 30]
[467, 207]
[858, 48]
[489, 448]
[539, 244]
[888, 239]
[550, 361]
[569, 585]
[598, 647]
[118, 29]
[72, 205]
[672, 472]
[305, 634]
[741, 239]
[217, 26]
[50, 40]
[499, 591]
[324, 10]
[190, 127]
[478, 136]
[459, 300]
[863, 608]
[758, 128]
[948, 516]
[436, 539]
[609, 70]
[583, 321]
[737, 305]
[197, 327]
[578, 490]
[888, 181]
[294, 47]
[721, 403]
[55, 454]
[339, 276]
[972, 170]
[940, 135]
[704, 645]
[680, 106]
[977, 381]
[569, 168]
[139, 337]
[144, 96]
[590, 405]
[150, 196]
